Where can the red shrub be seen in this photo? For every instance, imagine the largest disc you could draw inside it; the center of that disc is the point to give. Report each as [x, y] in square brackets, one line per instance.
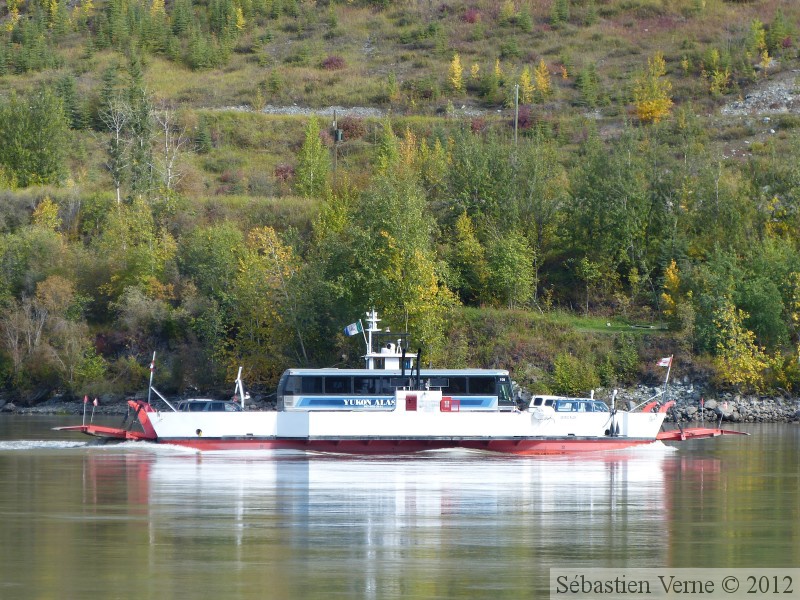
[477, 125]
[525, 120]
[352, 127]
[231, 176]
[333, 63]
[327, 137]
[473, 15]
[284, 172]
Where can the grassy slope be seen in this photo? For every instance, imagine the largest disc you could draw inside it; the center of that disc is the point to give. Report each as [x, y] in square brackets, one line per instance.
[414, 43]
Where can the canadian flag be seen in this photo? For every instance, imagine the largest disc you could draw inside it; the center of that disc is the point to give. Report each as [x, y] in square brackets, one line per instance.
[85, 399]
[665, 362]
[94, 402]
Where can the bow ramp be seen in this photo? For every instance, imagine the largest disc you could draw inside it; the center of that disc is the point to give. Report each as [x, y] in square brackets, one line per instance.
[109, 433]
[695, 433]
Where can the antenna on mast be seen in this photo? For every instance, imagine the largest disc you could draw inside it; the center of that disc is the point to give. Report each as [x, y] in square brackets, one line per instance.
[152, 371]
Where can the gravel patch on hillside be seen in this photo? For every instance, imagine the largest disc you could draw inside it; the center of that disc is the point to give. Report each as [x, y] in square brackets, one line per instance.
[344, 111]
[773, 96]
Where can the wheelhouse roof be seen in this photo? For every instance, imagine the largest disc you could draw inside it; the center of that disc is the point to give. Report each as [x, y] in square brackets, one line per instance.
[396, 372]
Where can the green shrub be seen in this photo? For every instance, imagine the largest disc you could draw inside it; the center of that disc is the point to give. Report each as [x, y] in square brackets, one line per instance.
[574, 376]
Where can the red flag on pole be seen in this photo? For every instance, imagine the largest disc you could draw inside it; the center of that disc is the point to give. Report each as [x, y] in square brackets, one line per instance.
[85, 399]
[665, 362]
[94, 402]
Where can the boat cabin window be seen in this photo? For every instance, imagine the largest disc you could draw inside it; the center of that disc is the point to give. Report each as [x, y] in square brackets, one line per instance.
[456, 385]
[396, 383]
[542, 402]
[311, 385]
[338, 385]
[437, 383]
[293, 385]
[365, 386]
[208, 406]
[579, 405]
[482, 385]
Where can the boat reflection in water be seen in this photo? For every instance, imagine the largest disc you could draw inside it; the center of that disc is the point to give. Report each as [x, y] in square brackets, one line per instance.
[441, 523]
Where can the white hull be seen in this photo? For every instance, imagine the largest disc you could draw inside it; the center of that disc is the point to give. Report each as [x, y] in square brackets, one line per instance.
[401, 425]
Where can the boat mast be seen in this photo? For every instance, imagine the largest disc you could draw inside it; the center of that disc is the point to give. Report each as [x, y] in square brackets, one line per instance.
[666, 379]
[151, 389]
[239, 389]
[388, 355]
[372, 326]
[152, 371]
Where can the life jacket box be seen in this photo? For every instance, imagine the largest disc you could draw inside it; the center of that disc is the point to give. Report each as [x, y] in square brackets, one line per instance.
[449, 405]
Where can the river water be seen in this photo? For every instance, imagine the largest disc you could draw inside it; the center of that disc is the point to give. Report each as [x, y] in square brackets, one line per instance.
[143, 521]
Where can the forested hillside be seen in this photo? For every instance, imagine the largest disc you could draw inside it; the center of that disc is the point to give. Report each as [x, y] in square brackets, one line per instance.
[566, 188]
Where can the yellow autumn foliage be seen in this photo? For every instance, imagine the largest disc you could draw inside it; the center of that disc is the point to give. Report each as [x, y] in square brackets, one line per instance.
[739, 360]
[456, 77]
[651, 91]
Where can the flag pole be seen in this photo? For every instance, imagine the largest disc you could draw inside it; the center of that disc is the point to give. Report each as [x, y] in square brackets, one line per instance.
[152, 370]
[85, 400]
[364, 335]
[666, 379]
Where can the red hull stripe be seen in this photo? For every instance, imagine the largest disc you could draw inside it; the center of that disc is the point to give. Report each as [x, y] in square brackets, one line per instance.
[531, 446]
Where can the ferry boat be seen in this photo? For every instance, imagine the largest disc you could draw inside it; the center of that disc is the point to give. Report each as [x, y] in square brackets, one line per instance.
[393, 406]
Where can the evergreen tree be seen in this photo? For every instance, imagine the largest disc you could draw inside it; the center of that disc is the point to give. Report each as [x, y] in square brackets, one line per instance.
[181, 17]
[108, 92]
[67, 90]
[588, 83]
[141, 128]
[35, 135]
[779, 31]
[203, 142]
[559, 12]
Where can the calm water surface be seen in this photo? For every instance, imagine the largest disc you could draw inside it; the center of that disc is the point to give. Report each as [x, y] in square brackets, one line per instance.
[143, 521]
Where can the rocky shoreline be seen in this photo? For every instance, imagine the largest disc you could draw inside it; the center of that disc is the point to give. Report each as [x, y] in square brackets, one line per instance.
[692, 404]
